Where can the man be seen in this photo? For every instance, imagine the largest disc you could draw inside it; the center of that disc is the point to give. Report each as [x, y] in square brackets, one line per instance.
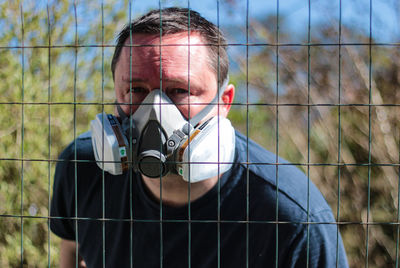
[247, 212]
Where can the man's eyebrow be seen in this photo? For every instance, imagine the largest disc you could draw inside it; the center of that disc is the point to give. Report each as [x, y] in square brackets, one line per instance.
[131, 79]
[169, 80]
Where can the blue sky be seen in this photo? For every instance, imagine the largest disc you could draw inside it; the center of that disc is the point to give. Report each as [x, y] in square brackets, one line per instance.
[355, 13]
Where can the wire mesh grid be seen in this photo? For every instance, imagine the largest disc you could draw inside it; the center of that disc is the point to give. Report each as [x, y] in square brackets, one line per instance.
[327, 102]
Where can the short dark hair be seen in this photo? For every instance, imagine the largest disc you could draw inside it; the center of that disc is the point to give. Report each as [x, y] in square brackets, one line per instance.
[176, 20]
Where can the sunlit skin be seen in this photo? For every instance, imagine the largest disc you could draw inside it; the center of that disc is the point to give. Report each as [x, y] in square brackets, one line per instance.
[177, 69]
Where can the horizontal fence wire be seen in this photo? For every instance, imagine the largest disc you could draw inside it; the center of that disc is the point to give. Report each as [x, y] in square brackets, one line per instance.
[211, 162]
[361, 44]
[204, 221]
[202, 103]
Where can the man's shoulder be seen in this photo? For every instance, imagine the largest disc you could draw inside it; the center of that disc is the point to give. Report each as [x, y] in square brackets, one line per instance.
[80, 148]
[265, 164]
[77, 161]
[271, 175]
[77, 156]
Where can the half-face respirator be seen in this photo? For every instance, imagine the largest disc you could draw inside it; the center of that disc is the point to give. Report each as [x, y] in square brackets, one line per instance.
[157, 139]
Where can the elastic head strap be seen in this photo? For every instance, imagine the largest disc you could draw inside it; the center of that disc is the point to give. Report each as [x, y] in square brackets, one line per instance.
[203, 113]
[126, 122]
[121, 113]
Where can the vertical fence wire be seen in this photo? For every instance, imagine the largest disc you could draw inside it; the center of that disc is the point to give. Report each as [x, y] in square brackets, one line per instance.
[22, 130]
[277, 137]
[219, 181]
[103, 198]
[49, 135]
[247, 138]
[75, 144]
[189, 150]
[398, 202]
[369, 132]
[308, 128]
[131, 216]
[160, 148]
[339, 132]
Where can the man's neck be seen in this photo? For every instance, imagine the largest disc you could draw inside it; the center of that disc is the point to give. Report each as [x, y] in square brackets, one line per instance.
[175, 191]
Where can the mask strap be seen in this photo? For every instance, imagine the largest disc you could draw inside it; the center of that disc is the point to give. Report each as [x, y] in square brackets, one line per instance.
[125, 122]
[197, 118]
[120, 112]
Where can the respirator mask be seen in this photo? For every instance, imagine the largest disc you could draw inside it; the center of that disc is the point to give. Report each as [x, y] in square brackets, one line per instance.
[157, 140]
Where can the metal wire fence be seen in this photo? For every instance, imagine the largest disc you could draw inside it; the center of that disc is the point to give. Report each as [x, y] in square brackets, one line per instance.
[316, 84]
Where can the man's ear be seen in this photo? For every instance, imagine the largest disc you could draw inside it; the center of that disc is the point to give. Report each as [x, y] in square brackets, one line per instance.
[227, 99]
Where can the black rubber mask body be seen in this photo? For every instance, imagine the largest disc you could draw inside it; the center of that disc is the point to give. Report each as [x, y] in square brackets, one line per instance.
[152, 151]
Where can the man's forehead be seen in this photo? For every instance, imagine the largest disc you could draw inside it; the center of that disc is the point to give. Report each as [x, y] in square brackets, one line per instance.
[145, 48]
[146, 58]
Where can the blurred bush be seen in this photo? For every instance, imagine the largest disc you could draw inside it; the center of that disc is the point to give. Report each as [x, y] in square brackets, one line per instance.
[45, 103]
[334, 112]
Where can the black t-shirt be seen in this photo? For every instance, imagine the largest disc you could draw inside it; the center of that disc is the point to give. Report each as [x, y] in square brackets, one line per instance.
[244, 220]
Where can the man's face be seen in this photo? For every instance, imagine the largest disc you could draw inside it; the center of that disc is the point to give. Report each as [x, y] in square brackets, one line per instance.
[177, 70]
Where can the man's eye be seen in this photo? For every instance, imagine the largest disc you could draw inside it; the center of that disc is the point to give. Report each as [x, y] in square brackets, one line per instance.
[138, 90]
[178, 91]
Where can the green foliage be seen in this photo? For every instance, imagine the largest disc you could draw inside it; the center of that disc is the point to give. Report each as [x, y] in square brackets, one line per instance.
[353, 146]
[38, 115]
